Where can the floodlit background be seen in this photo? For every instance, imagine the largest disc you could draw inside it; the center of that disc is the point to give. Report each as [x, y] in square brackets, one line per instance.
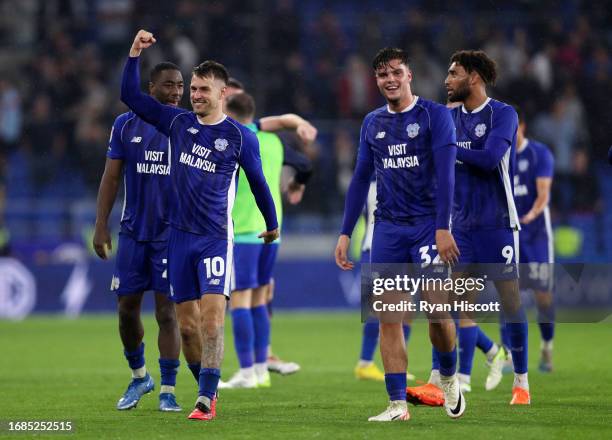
[61, 64]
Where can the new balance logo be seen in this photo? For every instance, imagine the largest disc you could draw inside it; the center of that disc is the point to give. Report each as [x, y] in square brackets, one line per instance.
[192, 130]
[380, 135]
[136, 139]
[115, 283]
[215, 282]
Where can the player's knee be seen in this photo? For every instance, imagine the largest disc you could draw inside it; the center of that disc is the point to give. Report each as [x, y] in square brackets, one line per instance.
[544, 300]
[128, 311]
[189, 330]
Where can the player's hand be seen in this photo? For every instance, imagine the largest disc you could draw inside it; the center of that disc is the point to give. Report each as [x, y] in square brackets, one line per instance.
[269, 236]
[306, 132]
[447, 248]
[342, 253]
[143, 40]
[295, 192]
[527, 218]
[102, 242]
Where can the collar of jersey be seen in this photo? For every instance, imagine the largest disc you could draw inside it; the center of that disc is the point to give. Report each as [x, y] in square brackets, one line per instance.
[477, 109]
[407, 109]
[214, 123]
[523, 145]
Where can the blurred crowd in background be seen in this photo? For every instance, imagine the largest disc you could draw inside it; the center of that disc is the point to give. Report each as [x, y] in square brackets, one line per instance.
[61, 64]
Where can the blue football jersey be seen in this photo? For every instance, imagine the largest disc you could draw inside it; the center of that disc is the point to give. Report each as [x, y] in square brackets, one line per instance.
[483, 197]
[533, 160]
[400, 148]
[144, 152]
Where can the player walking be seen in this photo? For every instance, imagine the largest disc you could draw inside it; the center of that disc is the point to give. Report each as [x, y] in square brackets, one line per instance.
[140, 152]
[410, 144]
[205, 148]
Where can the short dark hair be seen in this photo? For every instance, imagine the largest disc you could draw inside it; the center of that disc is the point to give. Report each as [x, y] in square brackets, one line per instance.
[233, 82]
[476, 61]
[387, 54]
[211, 68]
[159, 68]
[241, 105]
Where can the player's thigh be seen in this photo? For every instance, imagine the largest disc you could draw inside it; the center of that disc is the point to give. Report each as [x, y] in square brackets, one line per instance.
[183, 266]
[215, 266]
[498, 253]
[536, 267]
[130, 275]
[265, 265]
[246, 261]
[389, 256]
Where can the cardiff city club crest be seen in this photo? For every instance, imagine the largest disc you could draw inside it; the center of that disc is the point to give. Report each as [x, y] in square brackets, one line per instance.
[523, 165]
[480, 130]
[221, 144]
[412, 130]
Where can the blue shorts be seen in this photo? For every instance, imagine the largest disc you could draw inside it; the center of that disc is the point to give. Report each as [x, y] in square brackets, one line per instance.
[140, 266]
[406, 244]
[198, 264]
[490, 252]
[253, 265]
[536, 260]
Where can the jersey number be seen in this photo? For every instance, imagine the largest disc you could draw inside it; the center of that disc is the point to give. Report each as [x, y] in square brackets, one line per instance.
[426, 258]
[214, 266]
[508, 253]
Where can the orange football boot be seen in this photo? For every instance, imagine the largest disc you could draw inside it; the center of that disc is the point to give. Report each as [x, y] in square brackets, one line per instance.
[520, 396]
[202, 412]
[428, 394]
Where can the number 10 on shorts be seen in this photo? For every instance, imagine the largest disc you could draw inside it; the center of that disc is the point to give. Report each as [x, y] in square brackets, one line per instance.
[214, 267]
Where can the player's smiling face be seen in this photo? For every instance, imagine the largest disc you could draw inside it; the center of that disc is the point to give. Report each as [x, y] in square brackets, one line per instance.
[206, 94]
[457, 83]
[393, 81]
[168, 87]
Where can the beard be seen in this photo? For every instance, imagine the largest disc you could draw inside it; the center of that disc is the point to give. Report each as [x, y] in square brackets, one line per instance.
[460, 94]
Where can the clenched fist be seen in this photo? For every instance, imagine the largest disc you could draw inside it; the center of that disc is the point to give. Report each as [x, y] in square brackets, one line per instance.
[142, 40]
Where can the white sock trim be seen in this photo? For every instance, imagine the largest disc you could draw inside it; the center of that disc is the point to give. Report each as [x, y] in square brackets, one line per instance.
[166, 389]
[139, 373]
[464, 378]
[521, 381]
[492, 352]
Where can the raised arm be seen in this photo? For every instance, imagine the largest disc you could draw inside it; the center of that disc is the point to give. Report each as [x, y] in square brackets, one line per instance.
[503, 129]
[306, 132]
[250, 161]
[145, 106]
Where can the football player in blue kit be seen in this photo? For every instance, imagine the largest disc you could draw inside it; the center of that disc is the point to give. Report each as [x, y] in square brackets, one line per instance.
[532, 185]
[485, 220]
[205, 149]
[139, 152]
[410, 144]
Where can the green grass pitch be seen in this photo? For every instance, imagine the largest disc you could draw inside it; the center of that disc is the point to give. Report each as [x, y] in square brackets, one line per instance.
[58, 369]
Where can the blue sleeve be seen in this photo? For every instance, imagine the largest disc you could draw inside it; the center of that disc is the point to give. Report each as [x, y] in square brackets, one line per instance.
[444, 145]
[545, 163]
[115, 143]
[299, 162]
[145, 106]
[357, 193]
[250, 161]
[503, 129]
